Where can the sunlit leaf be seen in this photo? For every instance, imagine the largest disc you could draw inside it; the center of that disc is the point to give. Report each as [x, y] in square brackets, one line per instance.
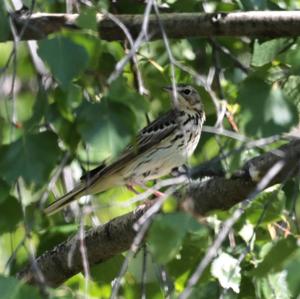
[227, 270]
[274, 286]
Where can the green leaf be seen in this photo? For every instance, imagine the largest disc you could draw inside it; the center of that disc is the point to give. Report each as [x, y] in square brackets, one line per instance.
[39, 109]
[192, 249]
[265, 52]
[11, 288]
[53, 235]
[119, 92]
[293, 278]
[32, 157]
[66, 130]
[274, 286]
[4, 23]
[65, 58]
[264, 109]
[204, 291]
[291, 58]
[4, 191]
[272, 203]
[278, 109]
[227, 270]
[106, 126]
[68, 100]
[274, 259]
[292, 89]
[11, 214]
[166, 235]
[107, 271]
[88, 19]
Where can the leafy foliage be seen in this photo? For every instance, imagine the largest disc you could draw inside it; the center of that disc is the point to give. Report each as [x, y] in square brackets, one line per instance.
[58, 123]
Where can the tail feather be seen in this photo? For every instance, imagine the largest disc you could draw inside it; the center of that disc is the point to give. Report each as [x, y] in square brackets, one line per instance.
[65, 200]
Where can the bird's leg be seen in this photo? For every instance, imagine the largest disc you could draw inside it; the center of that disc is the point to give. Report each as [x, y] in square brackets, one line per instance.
[155, 192]
[131, 188]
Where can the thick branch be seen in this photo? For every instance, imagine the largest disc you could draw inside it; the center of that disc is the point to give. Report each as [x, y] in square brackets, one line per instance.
[117, 235]
[183, 25]
[221, 193]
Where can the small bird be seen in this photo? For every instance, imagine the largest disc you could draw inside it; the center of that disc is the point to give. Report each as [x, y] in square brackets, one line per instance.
[163, 145]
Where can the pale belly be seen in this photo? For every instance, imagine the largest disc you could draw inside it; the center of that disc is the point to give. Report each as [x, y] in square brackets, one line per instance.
[160, 161]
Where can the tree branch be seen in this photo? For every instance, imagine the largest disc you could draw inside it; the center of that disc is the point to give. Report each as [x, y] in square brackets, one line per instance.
[221, 193]
[117, 235]
[183, 25]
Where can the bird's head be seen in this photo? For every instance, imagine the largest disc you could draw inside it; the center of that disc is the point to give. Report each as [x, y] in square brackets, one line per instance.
[188, 97]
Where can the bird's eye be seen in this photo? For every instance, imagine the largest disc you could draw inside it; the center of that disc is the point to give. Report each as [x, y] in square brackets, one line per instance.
[187, 91]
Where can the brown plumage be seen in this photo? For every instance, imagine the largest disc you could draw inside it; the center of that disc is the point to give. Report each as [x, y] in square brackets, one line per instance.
[164, 144]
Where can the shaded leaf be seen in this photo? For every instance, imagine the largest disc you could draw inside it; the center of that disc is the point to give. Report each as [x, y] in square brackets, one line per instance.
[265, 52]
[166, 235]
[68, 100]
[269, 203]
[4, 23]
[65, 58]
[264, 108]
[31, 157]
[11, 288]
[66, 130]
[4, 190]
[292, 90]
[193, 248]
[274, 259]
[107, 271]
[106, 126]
[39, 108]
[87, 19]
[11, 215]
[119, 92]
[293, 277]
[205, 290]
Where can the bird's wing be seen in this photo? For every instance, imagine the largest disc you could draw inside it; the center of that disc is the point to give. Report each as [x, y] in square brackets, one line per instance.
[151, 135]
[89, 174]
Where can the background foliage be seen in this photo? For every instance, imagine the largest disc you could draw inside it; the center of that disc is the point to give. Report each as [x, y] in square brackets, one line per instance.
[55, 127]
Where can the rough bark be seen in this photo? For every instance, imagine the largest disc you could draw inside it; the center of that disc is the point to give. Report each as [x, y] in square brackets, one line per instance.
[183, 25]
[117, 235]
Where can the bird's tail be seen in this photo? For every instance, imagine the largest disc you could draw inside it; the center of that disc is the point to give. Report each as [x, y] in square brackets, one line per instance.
[65, 200]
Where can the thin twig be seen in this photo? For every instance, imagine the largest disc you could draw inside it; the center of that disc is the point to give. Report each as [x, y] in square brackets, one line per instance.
[228, 224]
